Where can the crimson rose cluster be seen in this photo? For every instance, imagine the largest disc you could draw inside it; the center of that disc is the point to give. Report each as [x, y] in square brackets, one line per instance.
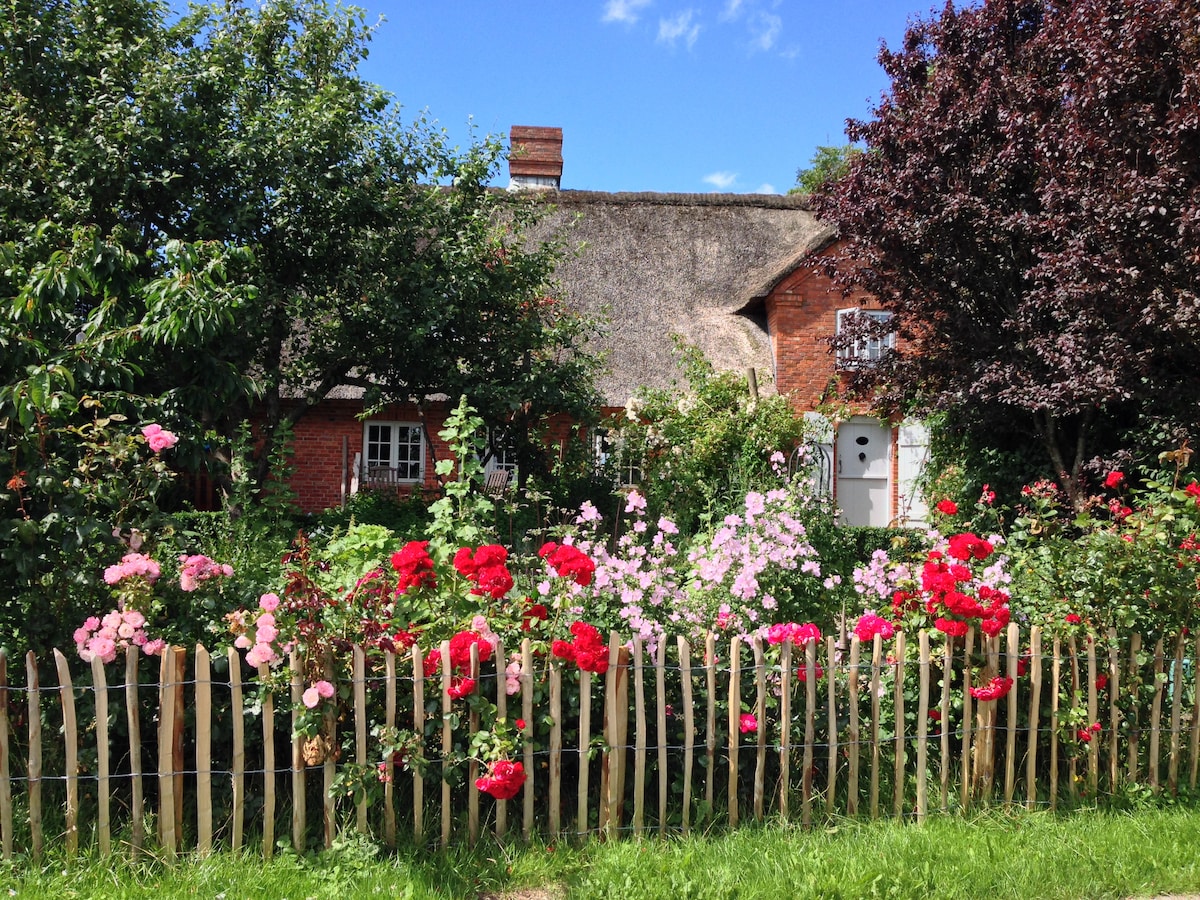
[586, 649]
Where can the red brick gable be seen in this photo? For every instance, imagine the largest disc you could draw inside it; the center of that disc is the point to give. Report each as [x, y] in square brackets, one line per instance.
[801, 318]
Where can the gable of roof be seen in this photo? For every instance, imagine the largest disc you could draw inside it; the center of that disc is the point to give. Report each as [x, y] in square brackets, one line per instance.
[652, 265]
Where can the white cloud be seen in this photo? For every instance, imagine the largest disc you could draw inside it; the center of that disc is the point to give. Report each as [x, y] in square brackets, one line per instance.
[722, 181]
[732, 10]
[625, 11]
[679, 26]
[766, 188]
[764, 29]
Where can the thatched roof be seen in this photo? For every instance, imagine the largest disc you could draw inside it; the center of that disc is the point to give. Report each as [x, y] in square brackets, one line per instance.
[654, 265]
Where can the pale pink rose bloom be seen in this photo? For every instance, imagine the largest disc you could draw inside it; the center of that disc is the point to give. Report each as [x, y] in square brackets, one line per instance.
[269, 602]
[111, 620]
[243, 642]
[479, 624]
[158, 438]
[82, 635]
[86, 655]
[109, 634]
[311, 697]
[103, 647]
[154, 647]
[113, 574]
[139, 639]
[265, 620]
[187, 583]
[324, 688]
[91, 623]
[134, 618]
[126, 630]
[226, 569]
[266, 634]
[259, 654]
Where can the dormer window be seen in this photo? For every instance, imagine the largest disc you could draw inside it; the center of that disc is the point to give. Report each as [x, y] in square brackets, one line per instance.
[863, 336]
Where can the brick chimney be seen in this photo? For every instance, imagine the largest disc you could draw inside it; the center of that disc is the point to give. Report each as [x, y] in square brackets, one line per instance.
[535, 158]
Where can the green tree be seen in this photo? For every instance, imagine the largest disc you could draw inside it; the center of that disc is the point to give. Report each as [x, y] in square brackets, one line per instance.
[380, 257]
[828, 164]
[214, 218]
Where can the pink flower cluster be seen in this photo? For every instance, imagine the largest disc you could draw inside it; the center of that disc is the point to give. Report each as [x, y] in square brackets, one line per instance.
[261, 647]
[158, 438]
[871, 624]
[133, 565]
[198, 568]
[102, 638]
[800, 635]
[322, 690]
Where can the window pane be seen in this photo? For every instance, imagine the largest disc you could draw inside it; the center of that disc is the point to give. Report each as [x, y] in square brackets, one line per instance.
[379, 445]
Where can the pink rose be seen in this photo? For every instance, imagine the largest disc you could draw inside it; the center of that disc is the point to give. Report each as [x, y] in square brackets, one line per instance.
[269, 602]
[747, 723]
[158, 438]
[324, 688]
[311, 697]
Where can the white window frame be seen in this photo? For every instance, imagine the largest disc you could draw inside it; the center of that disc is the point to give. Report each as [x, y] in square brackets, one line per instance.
[400, 471]
[864, 351]
[626, 468]
[501, 458]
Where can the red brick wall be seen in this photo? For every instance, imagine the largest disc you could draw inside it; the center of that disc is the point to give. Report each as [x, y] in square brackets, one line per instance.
[317, 442]
[801, 318]
[318, 438]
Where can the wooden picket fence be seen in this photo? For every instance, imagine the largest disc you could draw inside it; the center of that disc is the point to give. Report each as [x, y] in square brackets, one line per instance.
[672, 756]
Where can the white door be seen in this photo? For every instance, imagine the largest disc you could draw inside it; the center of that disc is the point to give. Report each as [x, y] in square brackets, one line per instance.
[863, 467]
[912, 453]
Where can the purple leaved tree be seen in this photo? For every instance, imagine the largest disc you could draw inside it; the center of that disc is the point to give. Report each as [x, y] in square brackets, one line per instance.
[1028, 205]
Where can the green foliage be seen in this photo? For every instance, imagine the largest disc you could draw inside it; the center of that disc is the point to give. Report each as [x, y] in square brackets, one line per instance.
[351, 555]
[703, 450]
[827, 164]
[463, 514]
[408, 517]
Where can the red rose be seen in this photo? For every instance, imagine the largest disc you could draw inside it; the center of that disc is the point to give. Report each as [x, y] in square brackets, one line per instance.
[951, 627]
[414, 567]
[993, 690]
[535, 613]
[503, 780]
[947, 507]
[433, 661]
[1113, 479]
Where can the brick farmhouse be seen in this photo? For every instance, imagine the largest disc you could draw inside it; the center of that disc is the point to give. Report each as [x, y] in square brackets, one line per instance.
[740, 276]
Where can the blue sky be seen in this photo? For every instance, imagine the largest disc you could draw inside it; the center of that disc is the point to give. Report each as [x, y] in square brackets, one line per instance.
[652, 95]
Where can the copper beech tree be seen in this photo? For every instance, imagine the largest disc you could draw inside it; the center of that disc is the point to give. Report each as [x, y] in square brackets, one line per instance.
[1028, 206]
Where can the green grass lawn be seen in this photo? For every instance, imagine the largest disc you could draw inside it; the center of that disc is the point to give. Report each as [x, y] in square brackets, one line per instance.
[995, 855]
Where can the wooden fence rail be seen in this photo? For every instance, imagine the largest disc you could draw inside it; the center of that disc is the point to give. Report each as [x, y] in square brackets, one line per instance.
[719, 731]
